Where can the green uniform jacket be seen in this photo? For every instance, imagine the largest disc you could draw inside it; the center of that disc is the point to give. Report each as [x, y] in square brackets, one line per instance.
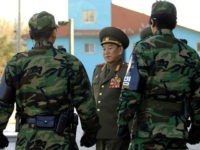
[46, 80]
[106, 90]
[169, 82]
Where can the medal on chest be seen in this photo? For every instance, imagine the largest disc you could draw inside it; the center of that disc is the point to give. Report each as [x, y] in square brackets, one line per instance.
[115, 82]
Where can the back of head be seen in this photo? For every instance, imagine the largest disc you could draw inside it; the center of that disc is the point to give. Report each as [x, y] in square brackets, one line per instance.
[164, 13]
[145, 33]
[41, 23]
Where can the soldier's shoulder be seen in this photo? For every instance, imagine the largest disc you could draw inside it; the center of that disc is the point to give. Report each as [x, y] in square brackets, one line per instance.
[148, 42]
[61, 48]
[21, 54]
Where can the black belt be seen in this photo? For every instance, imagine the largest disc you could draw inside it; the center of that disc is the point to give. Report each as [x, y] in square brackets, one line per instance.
[30, 121]
[41, 121]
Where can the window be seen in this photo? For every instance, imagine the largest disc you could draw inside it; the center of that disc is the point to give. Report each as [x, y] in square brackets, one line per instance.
[89, 48]
[198, 47]
[89, 16]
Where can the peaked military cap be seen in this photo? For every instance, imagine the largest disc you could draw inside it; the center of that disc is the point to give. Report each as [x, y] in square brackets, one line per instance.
[113, 35]
[42, 22]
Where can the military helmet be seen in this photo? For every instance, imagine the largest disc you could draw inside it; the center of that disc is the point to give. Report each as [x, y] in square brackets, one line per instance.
[42, 22]
[113, 35]
[163, 8]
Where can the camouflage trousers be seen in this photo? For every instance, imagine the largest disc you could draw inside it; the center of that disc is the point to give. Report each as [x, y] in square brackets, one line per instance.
[157, 144]
[36, 139]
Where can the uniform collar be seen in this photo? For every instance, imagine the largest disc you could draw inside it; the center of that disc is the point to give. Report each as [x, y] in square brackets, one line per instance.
[164, 32]
[114, 65]
[42, 44]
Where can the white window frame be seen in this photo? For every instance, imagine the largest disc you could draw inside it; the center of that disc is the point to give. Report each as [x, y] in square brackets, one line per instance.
[89, 16]
[89, 48]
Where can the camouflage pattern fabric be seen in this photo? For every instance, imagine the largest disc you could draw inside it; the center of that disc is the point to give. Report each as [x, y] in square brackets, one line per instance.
[169, 72]
[163, 7]
[41, 22]
[46, 81]
[157, 144]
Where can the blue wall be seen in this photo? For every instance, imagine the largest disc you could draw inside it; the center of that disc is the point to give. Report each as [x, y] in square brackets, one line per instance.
[193, 37]
[103, 13]
[103, 19]
[89, 60]
[132, 41]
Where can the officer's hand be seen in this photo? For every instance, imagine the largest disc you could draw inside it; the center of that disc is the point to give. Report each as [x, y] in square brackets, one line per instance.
[123, 132]
[90, 128]
[88, 139]
[3, 140]
[194, 135]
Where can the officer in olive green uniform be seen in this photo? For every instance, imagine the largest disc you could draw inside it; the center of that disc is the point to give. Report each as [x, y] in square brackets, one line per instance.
[47, 84]
[106, 83]
[161, 88]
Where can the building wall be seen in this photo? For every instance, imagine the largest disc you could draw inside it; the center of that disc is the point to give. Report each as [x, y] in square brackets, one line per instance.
[103, 19]
[89, 60]
[193, 37]
[103, 13]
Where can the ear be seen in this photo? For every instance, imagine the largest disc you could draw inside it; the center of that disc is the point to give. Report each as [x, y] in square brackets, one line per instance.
[52, 36]
[153, 23]
[121, 50]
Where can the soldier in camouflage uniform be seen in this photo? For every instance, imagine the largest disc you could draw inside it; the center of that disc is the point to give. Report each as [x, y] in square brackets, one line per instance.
[47, 84]
[162, 88]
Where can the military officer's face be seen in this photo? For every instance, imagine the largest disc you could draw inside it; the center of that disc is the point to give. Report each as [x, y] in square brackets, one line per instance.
[112, 52]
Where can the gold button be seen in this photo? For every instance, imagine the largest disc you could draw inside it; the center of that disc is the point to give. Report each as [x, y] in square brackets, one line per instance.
[100, 93]
[102, 86]
[99, 102]
[98, 109]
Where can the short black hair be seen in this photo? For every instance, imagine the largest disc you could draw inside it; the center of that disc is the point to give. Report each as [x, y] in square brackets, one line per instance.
[161, 21]
[38, 35]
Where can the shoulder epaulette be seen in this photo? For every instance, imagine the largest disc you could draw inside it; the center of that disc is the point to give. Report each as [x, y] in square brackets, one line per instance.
[100, 66]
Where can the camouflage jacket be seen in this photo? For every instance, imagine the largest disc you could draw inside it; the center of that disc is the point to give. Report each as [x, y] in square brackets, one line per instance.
[169, 73]
[46, 80]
